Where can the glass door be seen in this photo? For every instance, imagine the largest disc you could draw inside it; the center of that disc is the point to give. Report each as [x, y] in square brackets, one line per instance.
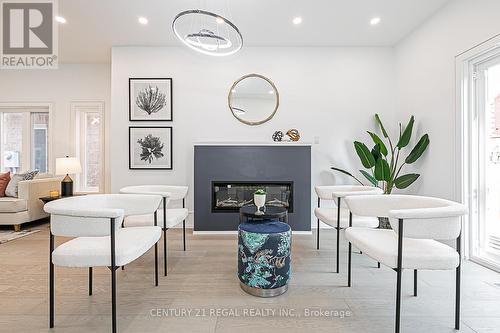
[485, 163]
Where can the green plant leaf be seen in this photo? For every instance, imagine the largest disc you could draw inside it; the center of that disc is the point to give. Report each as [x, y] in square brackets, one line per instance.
[379, 122]
[347, 173]
[406, 180]
[370, 178]
[405, 136]
[378, 141]
[418, 150]
[376, 152]
[382, 170]
[364, 154]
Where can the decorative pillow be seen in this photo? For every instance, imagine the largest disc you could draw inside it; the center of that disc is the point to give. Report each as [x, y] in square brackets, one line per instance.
[12, 187]
[30, 174]
[4, 180]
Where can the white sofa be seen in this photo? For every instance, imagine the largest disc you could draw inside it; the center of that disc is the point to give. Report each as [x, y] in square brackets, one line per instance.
[27, 207]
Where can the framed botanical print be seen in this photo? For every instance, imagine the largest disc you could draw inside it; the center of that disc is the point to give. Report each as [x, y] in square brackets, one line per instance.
[150, 99]
[150, 148]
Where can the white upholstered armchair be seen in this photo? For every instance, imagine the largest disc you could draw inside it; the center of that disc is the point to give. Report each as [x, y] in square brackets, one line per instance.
[338, 217]
[417, 222]
[95, 222]
[170, 217]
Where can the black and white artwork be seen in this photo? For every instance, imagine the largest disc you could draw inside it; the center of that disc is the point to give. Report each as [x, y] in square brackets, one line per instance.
[150, 99]
[150, 148]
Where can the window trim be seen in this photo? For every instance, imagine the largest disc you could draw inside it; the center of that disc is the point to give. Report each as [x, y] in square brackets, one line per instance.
[76, 109]
[43, 107]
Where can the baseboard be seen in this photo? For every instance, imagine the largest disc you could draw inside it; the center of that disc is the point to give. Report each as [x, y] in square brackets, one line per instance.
[236, 232]
[215, 232]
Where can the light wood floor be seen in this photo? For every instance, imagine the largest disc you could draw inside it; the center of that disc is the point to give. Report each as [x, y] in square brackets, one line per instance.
[204, 277]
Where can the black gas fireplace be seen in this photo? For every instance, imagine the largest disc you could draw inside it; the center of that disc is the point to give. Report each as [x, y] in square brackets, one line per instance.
[230, 196]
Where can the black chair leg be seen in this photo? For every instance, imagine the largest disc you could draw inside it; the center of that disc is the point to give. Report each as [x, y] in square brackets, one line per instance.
[457, 283]
[349, 266]
[398, 299]
[415, 283]
[156, 244]
[399, 271]
[184, 234]
[317, 237]
[113, 277]
[165, 251]
[90, 281]
[156, 264]
[164, 236]
[349, 256]
[378, 264]
[184, 226]
[123, 267]
[113, 298]
[317, 233]
[338, 234]
[51, 282]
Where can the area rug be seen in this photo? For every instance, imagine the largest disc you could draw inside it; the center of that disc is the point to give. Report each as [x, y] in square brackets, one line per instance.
[7, 236]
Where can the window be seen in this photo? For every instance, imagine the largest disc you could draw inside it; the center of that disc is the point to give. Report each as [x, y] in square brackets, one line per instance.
[39, 141]
[89, 134]
[24, 138]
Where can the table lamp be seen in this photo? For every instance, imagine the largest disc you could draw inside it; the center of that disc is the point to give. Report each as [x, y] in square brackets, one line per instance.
[66, 166]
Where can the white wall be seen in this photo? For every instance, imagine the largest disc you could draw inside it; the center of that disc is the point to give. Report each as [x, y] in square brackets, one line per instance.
[330, 93]
[60, 87]
[425, 69]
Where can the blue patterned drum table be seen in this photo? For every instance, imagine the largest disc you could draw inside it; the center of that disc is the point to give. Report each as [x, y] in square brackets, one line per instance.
[264, 254]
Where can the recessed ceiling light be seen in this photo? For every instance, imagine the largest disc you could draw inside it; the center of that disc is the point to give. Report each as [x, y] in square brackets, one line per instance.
[375, 20]
[60, 19]
[219, 20]
[297, 20]
[143, 20]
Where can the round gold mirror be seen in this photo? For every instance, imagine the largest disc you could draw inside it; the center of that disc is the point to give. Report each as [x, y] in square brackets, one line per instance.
[253, 99]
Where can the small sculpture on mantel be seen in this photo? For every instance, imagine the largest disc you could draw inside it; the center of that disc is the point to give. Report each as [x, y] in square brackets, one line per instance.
[278, 136]
[293, 134]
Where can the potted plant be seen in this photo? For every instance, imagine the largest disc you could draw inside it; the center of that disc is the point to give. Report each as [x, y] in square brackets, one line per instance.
[259, 198]
[384, 163]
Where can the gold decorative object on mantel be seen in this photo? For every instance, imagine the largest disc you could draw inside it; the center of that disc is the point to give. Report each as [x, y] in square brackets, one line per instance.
[54, 194]
[293, 134]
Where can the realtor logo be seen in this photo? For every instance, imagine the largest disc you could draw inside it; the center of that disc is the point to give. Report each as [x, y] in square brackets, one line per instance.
[29, 35]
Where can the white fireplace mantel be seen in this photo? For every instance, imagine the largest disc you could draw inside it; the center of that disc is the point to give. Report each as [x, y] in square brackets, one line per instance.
[246, 143]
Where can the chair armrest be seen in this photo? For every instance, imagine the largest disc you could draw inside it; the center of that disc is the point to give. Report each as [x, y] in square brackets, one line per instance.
[453, 210]
[105, 205]
[137, 190]
[365, 190]
[71, 207]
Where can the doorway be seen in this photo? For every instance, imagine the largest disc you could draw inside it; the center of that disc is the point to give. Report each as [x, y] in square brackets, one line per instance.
[482, 134]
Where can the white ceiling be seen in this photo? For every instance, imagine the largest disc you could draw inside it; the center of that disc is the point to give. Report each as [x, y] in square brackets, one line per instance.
[94, 26]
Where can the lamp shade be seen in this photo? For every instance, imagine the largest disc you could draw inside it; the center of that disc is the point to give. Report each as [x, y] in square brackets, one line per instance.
[68, 165]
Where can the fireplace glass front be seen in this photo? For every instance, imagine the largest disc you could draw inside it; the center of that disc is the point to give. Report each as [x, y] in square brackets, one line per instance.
[230, 196]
